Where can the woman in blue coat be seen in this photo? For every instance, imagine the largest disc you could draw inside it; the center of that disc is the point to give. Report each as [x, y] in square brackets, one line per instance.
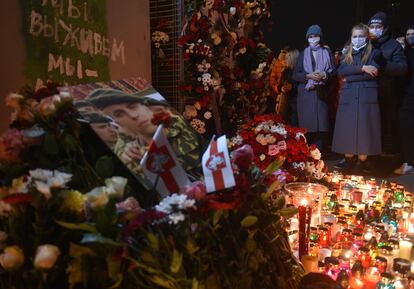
[313, 71]
[358, 119]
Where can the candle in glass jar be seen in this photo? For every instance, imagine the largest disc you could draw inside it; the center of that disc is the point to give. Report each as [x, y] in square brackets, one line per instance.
[324, 237]
[323, 253]
[310, 263]
[381, 264]
[405, 249]
[371, 277]
[364, 256]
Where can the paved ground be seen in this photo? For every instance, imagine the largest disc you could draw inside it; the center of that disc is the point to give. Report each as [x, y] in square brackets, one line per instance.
[384, 166]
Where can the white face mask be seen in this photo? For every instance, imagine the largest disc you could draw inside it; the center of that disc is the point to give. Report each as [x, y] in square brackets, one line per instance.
[313, 41]
[376, 32]
[358, 42]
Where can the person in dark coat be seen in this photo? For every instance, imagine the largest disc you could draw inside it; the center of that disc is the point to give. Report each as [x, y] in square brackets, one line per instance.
[358, 120]
[407, 110]
[314, 70]
[393, 67]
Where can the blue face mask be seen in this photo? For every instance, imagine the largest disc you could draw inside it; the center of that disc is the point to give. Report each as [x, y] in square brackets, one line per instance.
[410, 39]
[376, 32]
[358, 42]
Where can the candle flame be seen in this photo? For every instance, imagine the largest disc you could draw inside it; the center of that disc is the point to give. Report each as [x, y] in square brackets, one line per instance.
[304, 202]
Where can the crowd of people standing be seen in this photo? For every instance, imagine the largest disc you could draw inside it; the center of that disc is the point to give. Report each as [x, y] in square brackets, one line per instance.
[359, 101]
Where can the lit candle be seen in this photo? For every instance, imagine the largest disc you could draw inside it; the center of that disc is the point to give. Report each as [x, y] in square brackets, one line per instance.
[371, 277]
[405, 249]
[323, 253]
[324, 237]
[310, 263]
[412, 268]
[364, 256]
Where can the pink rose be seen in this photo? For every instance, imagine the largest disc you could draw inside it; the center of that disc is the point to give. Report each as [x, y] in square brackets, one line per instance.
[196, 190]
[130, 207]
[243, 157]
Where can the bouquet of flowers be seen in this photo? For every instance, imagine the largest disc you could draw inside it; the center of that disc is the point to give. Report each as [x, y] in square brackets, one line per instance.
[64, 224]
[272, 140]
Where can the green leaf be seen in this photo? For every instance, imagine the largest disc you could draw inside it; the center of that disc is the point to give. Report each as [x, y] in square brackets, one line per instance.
[153, 241]
[104, 167]
[97, 238]
[288, 212]
[217, 216]
[176, 261]
[273, 187]
[274, 166]
[249, 221]
[163, 282]
[50, 145]
[70, 143]
[194, 284]
[114, 271]
[280, 202]
[191, 247]
[81, 226]
[251, 245]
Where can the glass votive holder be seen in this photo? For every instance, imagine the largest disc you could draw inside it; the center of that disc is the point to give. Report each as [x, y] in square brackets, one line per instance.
[346, 235]
[323, 253]
[364, 256]
[313, 235]
[386, 282]
[324, 237]
[381, 263]
[372, 276]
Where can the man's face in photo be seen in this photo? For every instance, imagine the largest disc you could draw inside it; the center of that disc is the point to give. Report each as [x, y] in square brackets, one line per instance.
[133, 117]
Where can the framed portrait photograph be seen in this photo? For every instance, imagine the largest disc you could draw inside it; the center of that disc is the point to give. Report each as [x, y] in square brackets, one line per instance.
[122, 114]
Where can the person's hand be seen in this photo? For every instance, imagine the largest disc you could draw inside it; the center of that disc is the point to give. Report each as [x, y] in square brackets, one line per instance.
[321, 74]
[314, 76]
[371, 70]
[131, 152]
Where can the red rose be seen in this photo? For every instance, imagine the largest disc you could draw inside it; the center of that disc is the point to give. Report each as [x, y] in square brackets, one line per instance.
[243, 157]
[196, 190]
[162, 117]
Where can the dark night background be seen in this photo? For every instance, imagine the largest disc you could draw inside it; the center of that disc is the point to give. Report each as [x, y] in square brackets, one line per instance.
[291, 18]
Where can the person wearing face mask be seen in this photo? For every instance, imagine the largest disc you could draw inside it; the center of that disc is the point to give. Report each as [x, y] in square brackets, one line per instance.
[407, 110]
[393, 67]
[357, 127]
[313, 72]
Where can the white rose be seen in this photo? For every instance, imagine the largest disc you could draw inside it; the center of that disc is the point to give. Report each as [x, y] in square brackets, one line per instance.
[12, 258]
[59, 179]
[315, 154]
[41, 174]
[46, 256]
[43, 188]
[97, 198]
[232, 10]
[116, 186]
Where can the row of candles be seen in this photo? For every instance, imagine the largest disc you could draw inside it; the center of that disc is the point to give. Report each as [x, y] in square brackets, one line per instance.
[359, 233]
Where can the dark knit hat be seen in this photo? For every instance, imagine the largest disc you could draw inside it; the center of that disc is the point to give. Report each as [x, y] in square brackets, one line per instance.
[314, 29]
[379, 18]
[104, 97]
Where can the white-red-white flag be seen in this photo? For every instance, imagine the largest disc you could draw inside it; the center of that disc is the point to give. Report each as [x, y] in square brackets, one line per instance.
[161, 166]
[217, 170]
